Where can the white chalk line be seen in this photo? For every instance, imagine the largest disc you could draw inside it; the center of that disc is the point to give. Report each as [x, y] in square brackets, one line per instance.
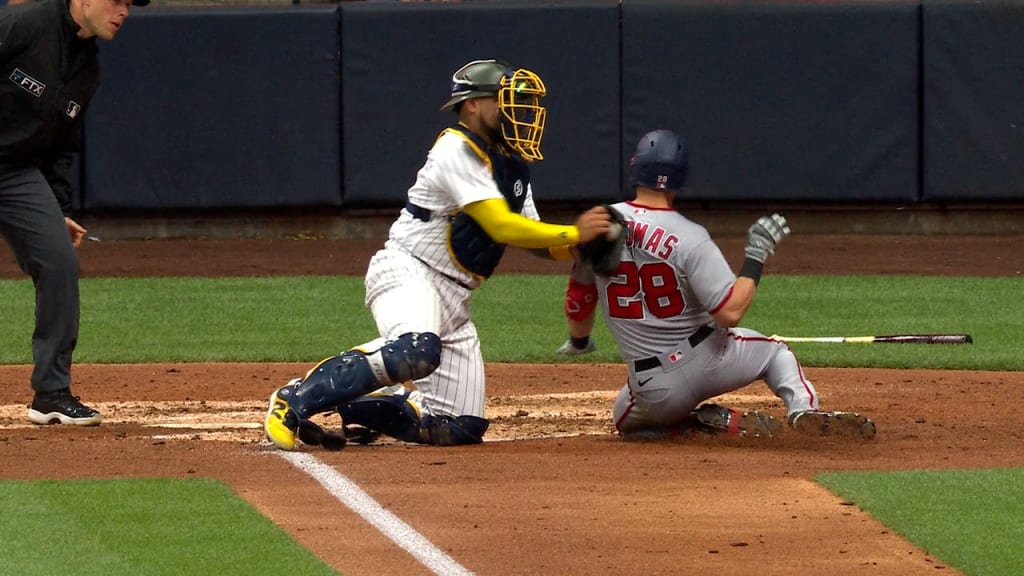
[357, 500]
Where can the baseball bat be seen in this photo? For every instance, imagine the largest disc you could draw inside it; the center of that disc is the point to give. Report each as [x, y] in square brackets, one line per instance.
[889, 339]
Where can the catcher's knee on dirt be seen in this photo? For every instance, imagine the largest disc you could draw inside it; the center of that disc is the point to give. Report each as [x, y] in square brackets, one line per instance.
[359, 371]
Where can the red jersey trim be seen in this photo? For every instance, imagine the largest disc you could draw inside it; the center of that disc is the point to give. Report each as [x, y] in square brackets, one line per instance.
[634, 204]
[724, 300]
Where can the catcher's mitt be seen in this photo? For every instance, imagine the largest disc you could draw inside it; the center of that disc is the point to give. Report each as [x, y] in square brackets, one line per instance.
[603, 254]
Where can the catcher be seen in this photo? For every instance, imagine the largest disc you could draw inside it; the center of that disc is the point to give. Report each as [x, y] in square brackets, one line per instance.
[673, 305]
[472, 198]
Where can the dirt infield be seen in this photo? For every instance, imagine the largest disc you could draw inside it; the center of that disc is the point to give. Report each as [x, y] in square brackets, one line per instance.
[554, 492]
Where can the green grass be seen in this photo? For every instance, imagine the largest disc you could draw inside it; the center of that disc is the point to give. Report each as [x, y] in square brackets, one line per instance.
[971, 519]
[519, 319]
[140, 527]
[968, 519]
[201, 320]
[991, 310]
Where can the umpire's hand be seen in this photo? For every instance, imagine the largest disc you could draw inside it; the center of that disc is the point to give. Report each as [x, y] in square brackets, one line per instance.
[76, 231]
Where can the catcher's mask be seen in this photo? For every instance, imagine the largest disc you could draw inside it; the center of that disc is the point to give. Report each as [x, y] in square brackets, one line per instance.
[661, 162]
[518, 92]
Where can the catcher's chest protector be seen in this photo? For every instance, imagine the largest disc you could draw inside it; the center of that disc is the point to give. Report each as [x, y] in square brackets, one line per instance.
[468, 243]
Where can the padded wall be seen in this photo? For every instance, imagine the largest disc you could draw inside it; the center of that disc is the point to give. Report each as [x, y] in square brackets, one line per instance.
[397, 62]
[973, 100]
[779, 101]
[217, 108]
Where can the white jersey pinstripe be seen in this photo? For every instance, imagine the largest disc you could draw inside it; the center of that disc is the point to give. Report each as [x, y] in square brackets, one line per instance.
[414, 285]
[452, 177]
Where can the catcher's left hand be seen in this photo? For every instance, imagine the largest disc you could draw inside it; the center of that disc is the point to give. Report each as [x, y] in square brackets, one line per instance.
[604, 253]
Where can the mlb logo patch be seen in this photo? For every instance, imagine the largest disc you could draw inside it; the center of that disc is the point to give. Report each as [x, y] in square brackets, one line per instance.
[73, 109]
[675, 356]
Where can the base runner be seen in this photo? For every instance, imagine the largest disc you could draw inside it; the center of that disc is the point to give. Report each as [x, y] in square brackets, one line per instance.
[673, 305]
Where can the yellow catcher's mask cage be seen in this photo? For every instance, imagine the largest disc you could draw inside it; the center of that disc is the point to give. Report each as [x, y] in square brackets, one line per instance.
[522, 116]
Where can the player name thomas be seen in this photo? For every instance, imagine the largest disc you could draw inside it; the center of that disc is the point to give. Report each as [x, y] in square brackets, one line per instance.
[656, 241]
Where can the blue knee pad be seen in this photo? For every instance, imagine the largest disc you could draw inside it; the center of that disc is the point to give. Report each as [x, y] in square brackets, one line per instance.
[411, 356]
[355, 373]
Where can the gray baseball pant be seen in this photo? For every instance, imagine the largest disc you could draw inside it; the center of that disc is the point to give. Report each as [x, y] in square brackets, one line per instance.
[33, 224]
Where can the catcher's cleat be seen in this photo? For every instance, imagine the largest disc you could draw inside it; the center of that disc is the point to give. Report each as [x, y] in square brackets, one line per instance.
[822, 423]
[281, 424]
[717, 419]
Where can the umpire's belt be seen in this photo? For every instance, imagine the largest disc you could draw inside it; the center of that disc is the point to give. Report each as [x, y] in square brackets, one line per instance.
[696, 338]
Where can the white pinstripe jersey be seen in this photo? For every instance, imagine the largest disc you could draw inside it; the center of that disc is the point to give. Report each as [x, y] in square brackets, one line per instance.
[672, 274]
[453, 176]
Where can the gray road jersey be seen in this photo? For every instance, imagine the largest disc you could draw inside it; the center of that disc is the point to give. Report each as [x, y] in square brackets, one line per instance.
[672, 274]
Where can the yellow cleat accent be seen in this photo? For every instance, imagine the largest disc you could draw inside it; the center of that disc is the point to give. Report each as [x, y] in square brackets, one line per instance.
[276, 424]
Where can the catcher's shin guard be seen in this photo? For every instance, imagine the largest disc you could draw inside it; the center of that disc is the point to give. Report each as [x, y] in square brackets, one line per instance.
[359, 371]
[448, 431]
[392, 414]
[398, 416]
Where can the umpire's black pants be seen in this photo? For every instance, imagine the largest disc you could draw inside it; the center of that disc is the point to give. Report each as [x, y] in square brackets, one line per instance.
[33, 224]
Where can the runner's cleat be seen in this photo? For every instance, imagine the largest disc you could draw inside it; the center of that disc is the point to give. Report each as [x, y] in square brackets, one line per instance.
[717, 419]
[822, 423]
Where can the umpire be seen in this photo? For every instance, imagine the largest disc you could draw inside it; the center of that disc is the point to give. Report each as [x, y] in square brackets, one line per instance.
[48, 74]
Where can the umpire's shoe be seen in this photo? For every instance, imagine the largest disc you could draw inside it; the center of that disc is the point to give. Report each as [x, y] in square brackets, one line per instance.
[60, 407]
[822, 423]
[282, 424]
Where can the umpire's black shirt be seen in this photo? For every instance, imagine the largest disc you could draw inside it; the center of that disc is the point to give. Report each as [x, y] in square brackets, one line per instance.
[47, 77]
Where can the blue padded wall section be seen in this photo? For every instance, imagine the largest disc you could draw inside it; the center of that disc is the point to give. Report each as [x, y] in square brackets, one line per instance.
[397, 62]
[973, 101]
[211, 108]
[801, 101]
